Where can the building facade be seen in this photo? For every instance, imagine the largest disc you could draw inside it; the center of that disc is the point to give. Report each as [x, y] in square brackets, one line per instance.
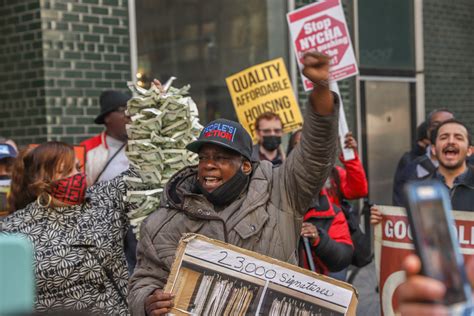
[55, 59]
[57, 56]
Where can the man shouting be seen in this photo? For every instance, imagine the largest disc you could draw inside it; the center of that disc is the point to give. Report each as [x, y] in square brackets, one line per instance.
[229, 197]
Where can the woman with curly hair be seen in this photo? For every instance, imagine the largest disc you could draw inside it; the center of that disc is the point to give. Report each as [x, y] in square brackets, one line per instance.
[77, 232]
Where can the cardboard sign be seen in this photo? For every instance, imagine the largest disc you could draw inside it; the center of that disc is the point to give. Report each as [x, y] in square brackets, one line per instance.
[393, 242]
[210, 277]
[264, 88]
[322, 27]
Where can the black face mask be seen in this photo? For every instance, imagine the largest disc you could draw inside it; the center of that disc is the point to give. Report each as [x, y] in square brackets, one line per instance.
[228, 191]
[271, 142]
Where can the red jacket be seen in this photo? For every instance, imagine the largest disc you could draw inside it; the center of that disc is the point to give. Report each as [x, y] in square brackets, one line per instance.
[353, 181]
[333, 250]
[97, 154]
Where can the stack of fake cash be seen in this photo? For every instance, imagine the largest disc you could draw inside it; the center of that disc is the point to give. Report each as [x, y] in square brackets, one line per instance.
[164, 121]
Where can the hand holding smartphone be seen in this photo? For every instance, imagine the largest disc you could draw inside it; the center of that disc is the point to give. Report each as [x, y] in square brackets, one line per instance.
[435, 239]
[17, 282]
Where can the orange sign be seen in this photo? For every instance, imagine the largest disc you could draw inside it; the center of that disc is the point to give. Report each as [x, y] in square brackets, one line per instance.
[80, 152]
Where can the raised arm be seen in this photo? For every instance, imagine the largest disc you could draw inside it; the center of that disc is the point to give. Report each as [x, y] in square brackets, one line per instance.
[303, 174]
[316, 69]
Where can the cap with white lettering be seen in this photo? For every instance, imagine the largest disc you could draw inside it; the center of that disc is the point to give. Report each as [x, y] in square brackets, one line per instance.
[225, 133]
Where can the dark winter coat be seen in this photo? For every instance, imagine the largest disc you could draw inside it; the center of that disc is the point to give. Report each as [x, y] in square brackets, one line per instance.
[266, 218]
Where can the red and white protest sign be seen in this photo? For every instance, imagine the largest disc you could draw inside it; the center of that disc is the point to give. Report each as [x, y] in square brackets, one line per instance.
[322, 27]
[393, 241]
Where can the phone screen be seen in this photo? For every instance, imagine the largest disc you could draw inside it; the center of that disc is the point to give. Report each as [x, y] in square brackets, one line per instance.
[437, 249]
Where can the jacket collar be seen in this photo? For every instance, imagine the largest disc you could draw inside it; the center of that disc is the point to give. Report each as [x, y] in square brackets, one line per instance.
[258, 156]
[465, 179]
[258, 192]
[179, 194]
[104, 139]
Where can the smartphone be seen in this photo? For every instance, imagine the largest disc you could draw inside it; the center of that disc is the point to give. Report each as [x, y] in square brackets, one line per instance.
[432, 225]
[17, 282]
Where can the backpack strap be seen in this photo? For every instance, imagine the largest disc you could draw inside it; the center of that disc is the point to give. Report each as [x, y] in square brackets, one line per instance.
[108, 162]
[426, 163]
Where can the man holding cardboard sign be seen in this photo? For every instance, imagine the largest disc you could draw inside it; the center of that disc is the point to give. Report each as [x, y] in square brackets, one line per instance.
[229, 198]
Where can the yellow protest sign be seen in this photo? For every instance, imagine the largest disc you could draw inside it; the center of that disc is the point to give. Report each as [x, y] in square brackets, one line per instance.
[264, 88]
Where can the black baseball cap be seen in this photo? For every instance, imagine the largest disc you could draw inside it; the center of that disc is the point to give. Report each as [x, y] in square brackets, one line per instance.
[225, 133]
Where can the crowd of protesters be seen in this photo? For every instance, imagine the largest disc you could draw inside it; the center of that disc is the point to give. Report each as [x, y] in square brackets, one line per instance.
[446, 159]
[293, 206]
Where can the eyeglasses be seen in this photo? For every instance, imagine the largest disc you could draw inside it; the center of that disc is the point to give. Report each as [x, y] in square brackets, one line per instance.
[268, 131]
[121, 109]
[218, 159]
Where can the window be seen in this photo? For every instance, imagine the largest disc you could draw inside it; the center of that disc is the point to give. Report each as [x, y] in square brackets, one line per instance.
[203, 42]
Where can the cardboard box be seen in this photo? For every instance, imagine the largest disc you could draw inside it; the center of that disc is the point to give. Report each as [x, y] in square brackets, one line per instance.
[210, 277]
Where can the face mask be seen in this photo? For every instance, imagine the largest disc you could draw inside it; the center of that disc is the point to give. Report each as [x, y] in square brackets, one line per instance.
[228, 191]
[271, 142]
[70, 190]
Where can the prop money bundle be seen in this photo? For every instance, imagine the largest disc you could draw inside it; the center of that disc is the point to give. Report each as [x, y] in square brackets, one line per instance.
[164, 121]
